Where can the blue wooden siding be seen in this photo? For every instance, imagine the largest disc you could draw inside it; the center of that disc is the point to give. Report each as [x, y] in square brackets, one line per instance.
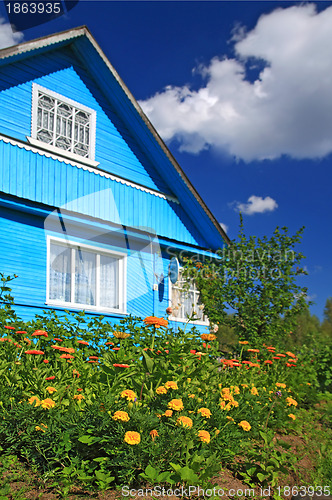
[35, 177]
[59, 71]
[24, 252]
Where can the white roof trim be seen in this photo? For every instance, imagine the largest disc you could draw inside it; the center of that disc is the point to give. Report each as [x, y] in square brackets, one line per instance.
[93, 170]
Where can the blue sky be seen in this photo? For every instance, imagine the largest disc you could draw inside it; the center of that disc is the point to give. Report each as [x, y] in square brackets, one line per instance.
[242, 94]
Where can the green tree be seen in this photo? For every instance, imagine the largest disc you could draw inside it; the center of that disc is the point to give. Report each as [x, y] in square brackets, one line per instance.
[251, 285]
[327, 321]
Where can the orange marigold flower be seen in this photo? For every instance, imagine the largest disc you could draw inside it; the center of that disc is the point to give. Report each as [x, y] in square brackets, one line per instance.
[168, 413]
[205, 412]
[205, 436]
[51, 389]
[254, 391]
[281, 385]
[208, 336]
[34, 351]
[93, 357]
[129, 395]
[109, 343]
[290, 354]
[45, 361]
[156, 322]
[281, 355]
[22, 332]
[171, 385]
[154, 434]
[83, 342]
[47, 403]
[79, 397]
[132, 437]
[161, 390]
[27, 340]
[119, 365]
[176, 404]
[58, 340]
[268, 362]
[34, 399]
[253, 350]
[245, 425]
[275, 357]
[93, 361]
[292, 416]
[50, 378]
[121, 335]
[75, 372]
[243, 342]
[291, 402]
[184, 422]
[39, 333]
[10, 327]
[192, 396]
[121, 415]
[67, 356]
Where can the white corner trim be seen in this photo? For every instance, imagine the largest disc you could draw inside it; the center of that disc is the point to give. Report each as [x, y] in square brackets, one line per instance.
[79, 164]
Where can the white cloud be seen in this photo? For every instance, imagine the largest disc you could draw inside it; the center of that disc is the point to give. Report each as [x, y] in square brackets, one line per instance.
[287, 110]
[256, 205]
[7, 37]
[224, 226]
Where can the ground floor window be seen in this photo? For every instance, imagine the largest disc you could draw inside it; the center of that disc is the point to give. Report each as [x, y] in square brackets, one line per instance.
[185, 301]
[85, 276]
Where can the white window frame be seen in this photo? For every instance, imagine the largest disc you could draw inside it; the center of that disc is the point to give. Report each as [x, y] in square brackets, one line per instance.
[122, 270]
[204, 322]
[90, 160]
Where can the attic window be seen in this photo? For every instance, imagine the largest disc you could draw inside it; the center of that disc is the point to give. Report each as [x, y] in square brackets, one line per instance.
[65, 126]
[185, 302]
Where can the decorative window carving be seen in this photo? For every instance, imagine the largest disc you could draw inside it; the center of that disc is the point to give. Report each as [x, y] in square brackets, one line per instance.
[63, 124]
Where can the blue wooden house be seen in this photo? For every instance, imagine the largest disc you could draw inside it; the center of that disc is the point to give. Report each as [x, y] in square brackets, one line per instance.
[93, 206]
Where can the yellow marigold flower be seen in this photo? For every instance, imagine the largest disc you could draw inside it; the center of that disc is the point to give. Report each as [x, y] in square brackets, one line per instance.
[243, 342]
[47, 403]
[129, 395]
[168, 413]
[244, 385]
[292, 416]
[156, 322]
[208, 336]
[34, 399]
[51, 389]
[132, 437]
[254, 391]
[79, 397]
[205, 412]
[121, 415]
[217, 431]
[38, 428]
[282, 386]
[121, 335]
[236, 390]
[176, 404]
[204, 436]
[291, 401]
[185, 422]
[154, 434]
[222, 404]
[161, 390]
[230, 418]
[171, 385]
[245, 425]
[191, 396]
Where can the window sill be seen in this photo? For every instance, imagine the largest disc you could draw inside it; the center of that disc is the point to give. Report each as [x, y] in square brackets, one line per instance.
[62, 153]
[86, 308]
[185, 320]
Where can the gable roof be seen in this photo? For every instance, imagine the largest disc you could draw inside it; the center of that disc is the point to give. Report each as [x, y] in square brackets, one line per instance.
[82, 42]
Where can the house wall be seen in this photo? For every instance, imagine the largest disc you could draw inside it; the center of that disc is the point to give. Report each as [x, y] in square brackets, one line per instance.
[24, 253]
